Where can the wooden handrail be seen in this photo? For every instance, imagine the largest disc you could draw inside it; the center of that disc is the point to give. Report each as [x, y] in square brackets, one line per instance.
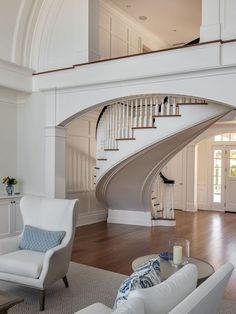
[135, 55]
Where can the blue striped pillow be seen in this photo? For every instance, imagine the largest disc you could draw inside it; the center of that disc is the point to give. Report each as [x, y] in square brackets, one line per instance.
[36, 239]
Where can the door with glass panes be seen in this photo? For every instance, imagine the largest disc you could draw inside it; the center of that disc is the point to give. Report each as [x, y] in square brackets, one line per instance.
[230, 178]
[224, 178]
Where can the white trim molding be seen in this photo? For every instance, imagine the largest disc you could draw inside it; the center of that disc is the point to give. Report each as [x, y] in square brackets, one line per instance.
[15, 76]
[129, 217]
[91, 218]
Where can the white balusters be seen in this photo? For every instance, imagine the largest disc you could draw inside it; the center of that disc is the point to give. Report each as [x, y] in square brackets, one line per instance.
[174, 107]
[167, 105]
[131, 117]
[162, 107]
[145, 118]
[136, 114]
[120, 118]
[150, 117]
[140, 113]
[156, 102]
[127, 121]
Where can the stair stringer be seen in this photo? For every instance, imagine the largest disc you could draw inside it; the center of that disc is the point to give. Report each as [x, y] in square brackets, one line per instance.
[117, 188]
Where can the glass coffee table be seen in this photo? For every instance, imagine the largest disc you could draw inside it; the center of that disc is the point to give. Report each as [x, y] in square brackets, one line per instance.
[205, 269]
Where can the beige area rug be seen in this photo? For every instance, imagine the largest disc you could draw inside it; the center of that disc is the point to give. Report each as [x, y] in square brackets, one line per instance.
[87, 285]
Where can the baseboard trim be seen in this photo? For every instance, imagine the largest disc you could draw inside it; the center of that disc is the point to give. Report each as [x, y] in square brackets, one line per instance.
[91, 218]
[164, 222]
[129, 217]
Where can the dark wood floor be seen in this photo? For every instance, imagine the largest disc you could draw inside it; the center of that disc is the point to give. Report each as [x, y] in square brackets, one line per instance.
[114, 246]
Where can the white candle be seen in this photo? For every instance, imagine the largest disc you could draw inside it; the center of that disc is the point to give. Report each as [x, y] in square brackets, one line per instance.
[177, 255]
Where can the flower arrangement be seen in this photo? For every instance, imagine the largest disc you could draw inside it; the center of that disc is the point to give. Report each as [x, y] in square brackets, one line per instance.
[9, 181]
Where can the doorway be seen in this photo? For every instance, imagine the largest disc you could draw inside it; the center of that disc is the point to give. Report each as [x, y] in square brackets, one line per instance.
[224, 177]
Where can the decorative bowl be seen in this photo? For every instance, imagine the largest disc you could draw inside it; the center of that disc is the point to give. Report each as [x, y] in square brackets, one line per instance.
[166, 256]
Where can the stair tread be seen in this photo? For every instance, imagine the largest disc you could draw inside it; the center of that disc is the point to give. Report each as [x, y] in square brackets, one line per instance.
[191, 103]
[125, 139]
[144, 127]
[166, 115]
[111, 149]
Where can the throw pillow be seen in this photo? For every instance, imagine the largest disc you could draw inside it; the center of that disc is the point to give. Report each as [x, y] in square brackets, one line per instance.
[36, 239]
[145, 276]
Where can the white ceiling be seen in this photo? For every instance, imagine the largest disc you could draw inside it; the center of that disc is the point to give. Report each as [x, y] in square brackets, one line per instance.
[174, 21]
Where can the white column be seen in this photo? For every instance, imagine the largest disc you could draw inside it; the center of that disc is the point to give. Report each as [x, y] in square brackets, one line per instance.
[228, 18]
[55, 149]
[191, 178]
[87, 24]
[210, 28]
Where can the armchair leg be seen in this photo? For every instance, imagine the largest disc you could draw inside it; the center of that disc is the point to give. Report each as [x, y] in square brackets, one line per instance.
[42, 300]
[65, 281]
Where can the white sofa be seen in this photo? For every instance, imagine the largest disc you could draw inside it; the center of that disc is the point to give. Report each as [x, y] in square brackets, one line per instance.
[176, 295]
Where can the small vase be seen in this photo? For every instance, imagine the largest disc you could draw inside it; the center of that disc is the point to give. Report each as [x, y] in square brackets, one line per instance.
[10, 189]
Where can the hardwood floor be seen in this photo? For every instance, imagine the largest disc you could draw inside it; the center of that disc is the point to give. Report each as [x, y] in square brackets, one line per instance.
[113, 246]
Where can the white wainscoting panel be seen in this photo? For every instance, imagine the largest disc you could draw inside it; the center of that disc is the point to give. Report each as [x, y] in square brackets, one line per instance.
[80, 172]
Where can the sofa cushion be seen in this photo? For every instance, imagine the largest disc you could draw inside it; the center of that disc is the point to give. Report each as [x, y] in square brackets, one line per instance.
[131, 306]
[40, 240]
[164, 297]
[22, 263]
[146, 275]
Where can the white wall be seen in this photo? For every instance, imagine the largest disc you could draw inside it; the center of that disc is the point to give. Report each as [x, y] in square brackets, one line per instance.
[80, 163]
[8, 16]
[31, 144]
[8, 140]
[120, 36]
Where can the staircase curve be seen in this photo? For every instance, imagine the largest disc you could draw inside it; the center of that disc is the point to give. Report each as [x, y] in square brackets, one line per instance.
[136, 137]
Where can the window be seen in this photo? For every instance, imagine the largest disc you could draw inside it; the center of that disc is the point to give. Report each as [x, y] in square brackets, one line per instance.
[217, 175]
[225, 137]
[232, 170]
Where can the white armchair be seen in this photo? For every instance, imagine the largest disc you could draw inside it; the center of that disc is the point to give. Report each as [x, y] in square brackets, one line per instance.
[37, 269]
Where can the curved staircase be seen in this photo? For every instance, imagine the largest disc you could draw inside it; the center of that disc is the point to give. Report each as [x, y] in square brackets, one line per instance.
[136, 137]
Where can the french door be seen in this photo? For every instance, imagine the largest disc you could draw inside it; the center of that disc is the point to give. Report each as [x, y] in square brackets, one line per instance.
[230, 178]
[224, 178]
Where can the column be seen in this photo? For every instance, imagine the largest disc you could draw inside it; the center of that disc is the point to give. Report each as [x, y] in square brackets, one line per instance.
[228, 18]
[191, 178]
[88, 37]
[55, 149]
[211, 27]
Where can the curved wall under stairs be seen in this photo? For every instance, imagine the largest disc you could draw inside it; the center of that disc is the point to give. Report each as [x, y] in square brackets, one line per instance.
[126, 175]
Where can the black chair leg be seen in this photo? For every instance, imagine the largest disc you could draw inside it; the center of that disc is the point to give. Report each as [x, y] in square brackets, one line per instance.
[42, 300]
[65, 281]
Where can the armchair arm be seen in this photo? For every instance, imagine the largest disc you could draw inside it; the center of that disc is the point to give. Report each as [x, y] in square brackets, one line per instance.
[55, 264]
[9, 245]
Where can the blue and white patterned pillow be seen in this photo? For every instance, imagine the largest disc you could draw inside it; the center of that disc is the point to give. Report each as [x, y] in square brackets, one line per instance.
[36, 239]
[145, 276]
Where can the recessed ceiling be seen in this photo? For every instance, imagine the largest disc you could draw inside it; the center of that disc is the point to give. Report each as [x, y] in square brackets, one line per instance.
[173, 21]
